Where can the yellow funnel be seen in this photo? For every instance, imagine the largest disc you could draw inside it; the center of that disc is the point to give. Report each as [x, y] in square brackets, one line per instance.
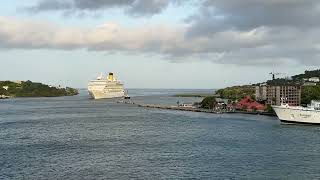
[110, 77]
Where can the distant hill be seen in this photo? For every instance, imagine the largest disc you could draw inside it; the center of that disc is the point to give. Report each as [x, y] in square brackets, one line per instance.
[294, 80]
[307, 74]
[33, 89]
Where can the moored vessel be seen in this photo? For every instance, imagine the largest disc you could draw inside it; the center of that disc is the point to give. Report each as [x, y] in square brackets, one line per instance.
[104, 88]
[299, 114]
[4, 97]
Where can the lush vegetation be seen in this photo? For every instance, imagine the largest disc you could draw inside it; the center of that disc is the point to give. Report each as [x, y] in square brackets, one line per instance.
[310, 93]
[284, 82]
[237, 92]
[32, 89]
[294, 80]
[208, 102]
[307, 74]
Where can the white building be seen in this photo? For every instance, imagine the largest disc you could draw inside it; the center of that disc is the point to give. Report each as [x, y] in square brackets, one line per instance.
[314, 79]
[5, 87]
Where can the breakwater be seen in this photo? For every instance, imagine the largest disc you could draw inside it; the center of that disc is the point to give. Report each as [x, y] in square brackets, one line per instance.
[194, 109]
[178, 108]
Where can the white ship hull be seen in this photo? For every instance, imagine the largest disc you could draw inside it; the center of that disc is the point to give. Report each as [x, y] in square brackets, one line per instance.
[297, 115]
[96, 94]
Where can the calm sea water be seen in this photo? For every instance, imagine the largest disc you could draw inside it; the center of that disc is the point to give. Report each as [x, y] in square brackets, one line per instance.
[79, 138]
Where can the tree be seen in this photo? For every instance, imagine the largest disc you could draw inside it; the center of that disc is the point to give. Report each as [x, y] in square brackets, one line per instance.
[310, 93]
[208, 102]
[236, 92]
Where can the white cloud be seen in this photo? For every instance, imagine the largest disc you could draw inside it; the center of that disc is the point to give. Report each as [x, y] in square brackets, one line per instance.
[110, 36]
[263, 45]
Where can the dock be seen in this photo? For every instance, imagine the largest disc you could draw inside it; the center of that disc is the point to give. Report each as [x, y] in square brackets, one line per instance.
[194, 109]
[179, 108]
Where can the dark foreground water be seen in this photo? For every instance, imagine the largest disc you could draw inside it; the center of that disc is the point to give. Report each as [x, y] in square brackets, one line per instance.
[78, 138]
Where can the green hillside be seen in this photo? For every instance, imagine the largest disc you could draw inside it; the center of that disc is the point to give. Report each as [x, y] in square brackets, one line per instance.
[236, 92]
[33, 89]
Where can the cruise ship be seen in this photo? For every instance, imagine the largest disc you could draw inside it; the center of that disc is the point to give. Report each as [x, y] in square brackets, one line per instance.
[298, 114]
[104, 88]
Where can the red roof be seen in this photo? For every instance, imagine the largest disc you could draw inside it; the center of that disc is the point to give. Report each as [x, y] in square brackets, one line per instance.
[249, 104]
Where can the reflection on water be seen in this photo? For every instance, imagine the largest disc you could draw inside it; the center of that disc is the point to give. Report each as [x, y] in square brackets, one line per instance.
[79, 138]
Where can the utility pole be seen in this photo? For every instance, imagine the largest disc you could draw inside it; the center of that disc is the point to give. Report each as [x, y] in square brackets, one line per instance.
[274, 75]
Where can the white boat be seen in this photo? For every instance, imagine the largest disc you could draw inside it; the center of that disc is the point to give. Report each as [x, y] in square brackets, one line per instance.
[299, 114]
[4, 97]
[104, 88]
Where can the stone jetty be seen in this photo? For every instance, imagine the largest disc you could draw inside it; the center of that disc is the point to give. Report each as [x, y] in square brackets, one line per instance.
[178, 108]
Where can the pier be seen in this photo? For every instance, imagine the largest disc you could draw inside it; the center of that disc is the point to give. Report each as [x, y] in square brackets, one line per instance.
[194, 109]
[179, 108]
[168, 107]
[176, 108]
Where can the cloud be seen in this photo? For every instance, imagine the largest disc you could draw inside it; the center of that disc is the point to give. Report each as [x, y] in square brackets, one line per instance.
[246, 32]
[259, 46]
[276, 31]
[132, 7]
[219, 15]
[18, 34]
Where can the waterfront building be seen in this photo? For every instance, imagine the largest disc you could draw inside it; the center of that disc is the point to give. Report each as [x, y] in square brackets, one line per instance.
[314, 79]
[250, 105]
[311, 81]
[274, 95]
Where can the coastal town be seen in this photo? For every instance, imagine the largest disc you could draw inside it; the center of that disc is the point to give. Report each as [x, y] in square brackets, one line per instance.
[298, 90]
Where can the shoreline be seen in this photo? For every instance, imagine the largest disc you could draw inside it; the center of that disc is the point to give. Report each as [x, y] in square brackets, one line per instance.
[176, 108]
[26, 97]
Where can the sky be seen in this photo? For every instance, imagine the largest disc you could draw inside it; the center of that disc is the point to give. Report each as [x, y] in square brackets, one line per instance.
[192, 44]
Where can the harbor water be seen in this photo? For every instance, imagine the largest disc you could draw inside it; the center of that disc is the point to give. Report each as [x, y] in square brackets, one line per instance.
[79, 138]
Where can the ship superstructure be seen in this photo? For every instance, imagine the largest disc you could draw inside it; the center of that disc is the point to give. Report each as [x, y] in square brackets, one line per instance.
[108, 87]
[298, 114]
